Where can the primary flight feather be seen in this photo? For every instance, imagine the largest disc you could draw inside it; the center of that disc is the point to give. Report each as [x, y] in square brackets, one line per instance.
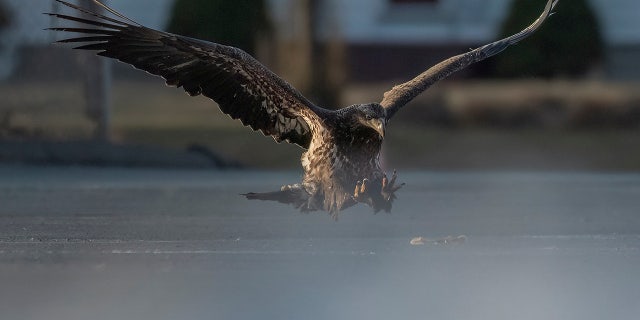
[342, 147]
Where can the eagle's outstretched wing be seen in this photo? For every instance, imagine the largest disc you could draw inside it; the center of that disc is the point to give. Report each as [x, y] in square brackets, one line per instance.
[400, 95]
[243, 88]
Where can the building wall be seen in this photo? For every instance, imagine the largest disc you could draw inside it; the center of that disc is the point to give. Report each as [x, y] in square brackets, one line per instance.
[445, 22]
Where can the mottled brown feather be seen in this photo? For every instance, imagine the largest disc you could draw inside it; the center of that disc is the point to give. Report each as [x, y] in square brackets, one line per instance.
[243, 88]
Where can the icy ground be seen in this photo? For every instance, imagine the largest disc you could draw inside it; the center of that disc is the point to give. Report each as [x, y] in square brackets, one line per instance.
[78, 243]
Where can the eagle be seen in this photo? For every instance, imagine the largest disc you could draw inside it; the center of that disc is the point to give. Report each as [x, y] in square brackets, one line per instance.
[341, 157]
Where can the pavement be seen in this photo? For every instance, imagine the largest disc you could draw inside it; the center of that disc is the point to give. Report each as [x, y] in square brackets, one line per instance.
[114, 243]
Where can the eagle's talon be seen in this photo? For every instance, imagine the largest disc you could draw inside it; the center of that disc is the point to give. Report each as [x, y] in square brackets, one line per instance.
[394, 177]
[363, 188]
[377, 193]
[389, 188]
[356, 192]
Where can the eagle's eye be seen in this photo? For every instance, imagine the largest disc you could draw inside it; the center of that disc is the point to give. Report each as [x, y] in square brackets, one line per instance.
[368, 117]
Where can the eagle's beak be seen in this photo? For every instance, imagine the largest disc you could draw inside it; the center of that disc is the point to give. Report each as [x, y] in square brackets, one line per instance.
[378, 125]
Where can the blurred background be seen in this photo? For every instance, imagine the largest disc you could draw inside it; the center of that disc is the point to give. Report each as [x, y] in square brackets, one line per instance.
[565, 99]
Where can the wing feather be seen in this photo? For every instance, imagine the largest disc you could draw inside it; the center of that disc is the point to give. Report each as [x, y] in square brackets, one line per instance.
[400, 95]
[243, 88]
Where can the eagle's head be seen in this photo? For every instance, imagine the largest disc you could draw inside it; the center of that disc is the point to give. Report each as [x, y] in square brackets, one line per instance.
[372, 116]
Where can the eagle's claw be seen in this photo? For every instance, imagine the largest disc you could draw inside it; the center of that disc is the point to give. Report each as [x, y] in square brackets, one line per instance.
[389, 187]
[378, 194]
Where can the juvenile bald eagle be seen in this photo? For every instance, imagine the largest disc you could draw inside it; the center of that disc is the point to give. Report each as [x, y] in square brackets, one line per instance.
[342, 148]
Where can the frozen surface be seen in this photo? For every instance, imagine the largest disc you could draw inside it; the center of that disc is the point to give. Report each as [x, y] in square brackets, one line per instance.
[144, 244]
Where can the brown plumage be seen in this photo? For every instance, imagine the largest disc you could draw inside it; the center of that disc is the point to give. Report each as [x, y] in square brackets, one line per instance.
[341, 157]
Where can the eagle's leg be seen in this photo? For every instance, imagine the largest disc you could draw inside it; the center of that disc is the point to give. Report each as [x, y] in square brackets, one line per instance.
[379, 193]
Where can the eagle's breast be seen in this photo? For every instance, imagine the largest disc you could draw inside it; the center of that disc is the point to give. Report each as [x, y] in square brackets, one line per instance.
[336, 160]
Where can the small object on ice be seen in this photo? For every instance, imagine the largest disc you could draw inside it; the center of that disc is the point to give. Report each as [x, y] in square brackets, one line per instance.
[418, 241]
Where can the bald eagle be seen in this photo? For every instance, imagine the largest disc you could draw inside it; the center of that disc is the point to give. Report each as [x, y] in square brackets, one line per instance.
[341, 148]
